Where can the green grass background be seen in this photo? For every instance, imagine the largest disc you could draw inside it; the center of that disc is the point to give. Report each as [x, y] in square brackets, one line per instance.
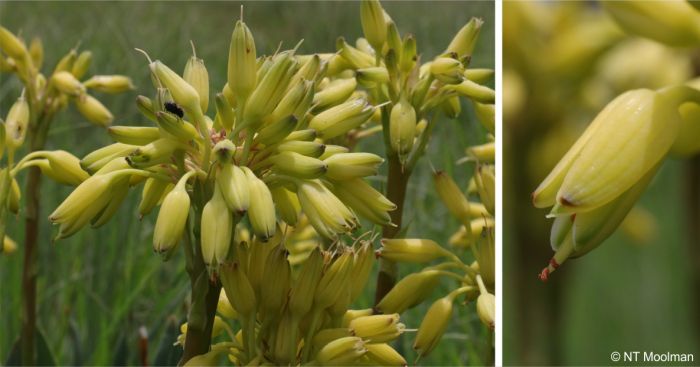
[97, 288]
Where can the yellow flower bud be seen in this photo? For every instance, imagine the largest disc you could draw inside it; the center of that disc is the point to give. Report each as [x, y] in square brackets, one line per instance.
[486, 309]
[157, 152]
[238, 289]
[352, 165]
[433, 326]
[364, 200]
[270, 90]
[332, 150]
[341, 351]
[674, 23]
[447, 70]
[172, 217]
[109, 83]
[224, 112]
[602, 164]
[354, 57]
[67, 83]
[242, 62]
[336, 92]
[8, 245]
[15, 195]
[479, 75]
[84, 203]
[353, 314]
[342, 118]
[36, 51]
[450, 195]
[411, 250]
[16, 123]
[305, 148]
[384, 355]
[175, 127]
[373, 23]
[464, 41]
[291, 100]
[371, 77]
[145, 106]
[299, 166]
[304, 287]
[197, 76]
[234, 186]
[225, 308]
[134, 135]
[485, 178]
[81, 64]
[261, 211]
[402, 128]
[327, 214]
[93, 110]
[119, 190]
[217, 229]
[408, 54]
[409, 291]
[276, 131]
[486, 114]
[274, 295]
[182, 92]
[66, 62]
[12, 46]
[362, 268]
[334, 281]
[153, 191]
[100, 157]
[325, 336]
[377, 328]
[475, 92]
[65, 167]
[287, 204]
[284, 348]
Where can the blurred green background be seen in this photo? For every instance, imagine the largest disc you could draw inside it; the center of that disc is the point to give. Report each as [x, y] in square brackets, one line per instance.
[97, 288]
[563, 61]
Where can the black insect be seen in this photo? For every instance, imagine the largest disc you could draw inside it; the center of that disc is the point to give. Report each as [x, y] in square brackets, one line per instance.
[173, 108]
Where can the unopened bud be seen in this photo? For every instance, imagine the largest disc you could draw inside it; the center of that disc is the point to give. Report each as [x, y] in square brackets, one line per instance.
[109, 83]
[242, 64]
[93, 110]
[81, 64]
[464, 41]
[197, 76]
[65, 82]
[373, 23]
[16, 123]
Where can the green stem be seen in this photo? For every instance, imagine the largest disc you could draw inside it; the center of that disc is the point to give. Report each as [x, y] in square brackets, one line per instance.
[397, 182]
[31, 236]
[205, 293]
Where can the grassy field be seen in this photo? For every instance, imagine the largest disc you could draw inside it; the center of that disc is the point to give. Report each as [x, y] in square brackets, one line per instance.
[99, 287]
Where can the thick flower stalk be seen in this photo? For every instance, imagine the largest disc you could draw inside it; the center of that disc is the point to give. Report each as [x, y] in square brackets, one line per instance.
[257, 165]
[25, 129]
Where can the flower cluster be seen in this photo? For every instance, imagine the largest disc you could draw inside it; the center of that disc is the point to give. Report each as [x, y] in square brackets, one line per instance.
[41, 99]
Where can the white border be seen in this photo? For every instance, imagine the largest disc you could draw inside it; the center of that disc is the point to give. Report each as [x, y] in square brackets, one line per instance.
[499, 182]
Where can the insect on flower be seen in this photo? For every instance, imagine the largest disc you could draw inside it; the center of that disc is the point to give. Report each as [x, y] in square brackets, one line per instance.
[173, 108]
